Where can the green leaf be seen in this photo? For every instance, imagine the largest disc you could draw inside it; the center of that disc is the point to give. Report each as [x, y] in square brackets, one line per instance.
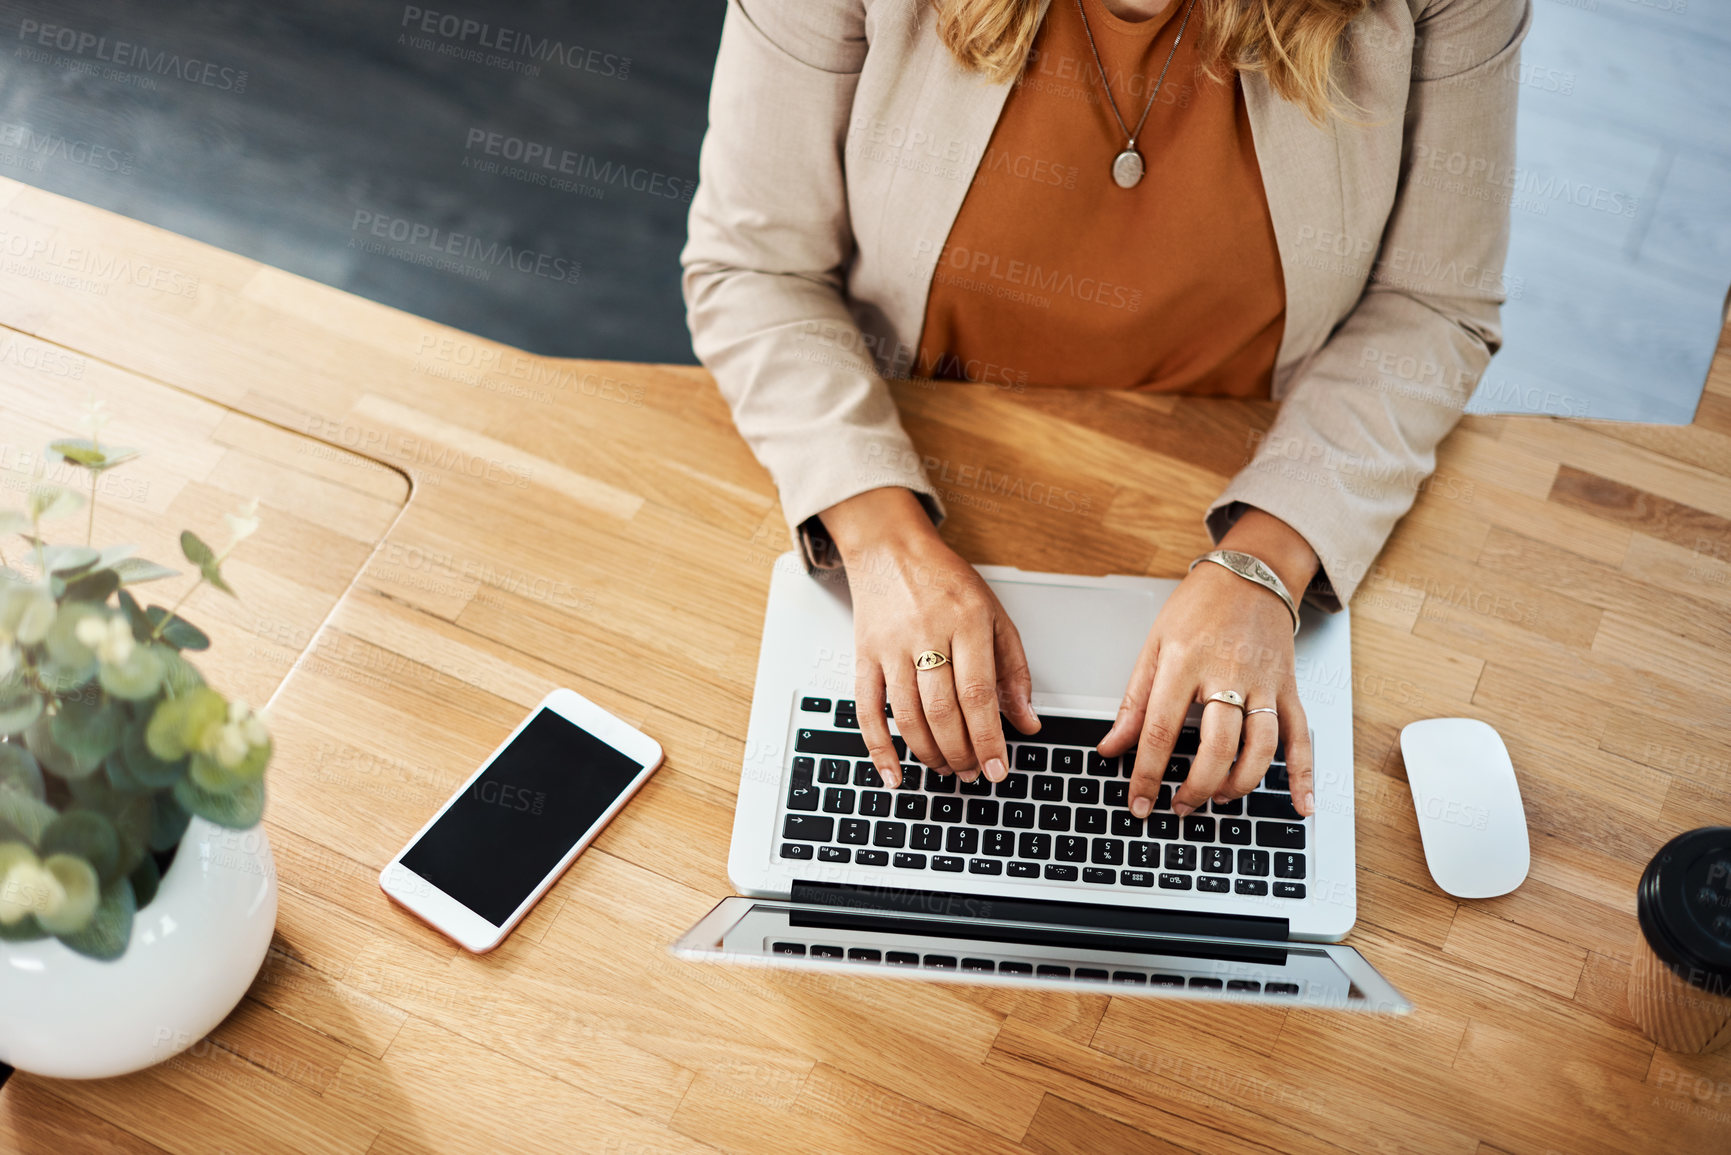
[23, 816]
[87, 733]
[179, 676]
[168, 822]
[18, 712]
[110, 928]
[177, 726]
[24, 930]
[27, 612]
[47, 500]
[201, 555]
[94, 586]
[179, 633]
[144, 767]
[114, 554]
[77, 450]
[11, 521]
[83, 892]
[69, 559]
[86, 835]
[19, 766]
[236, 810]
[145, 879]
[133, 570]
[135, 679]
[71, 660]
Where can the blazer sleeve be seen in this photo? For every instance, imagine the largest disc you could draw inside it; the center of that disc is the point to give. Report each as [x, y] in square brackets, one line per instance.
[765, 261]
[1355, 435]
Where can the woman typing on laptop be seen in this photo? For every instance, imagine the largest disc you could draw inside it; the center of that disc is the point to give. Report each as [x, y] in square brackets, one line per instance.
[1296, 199]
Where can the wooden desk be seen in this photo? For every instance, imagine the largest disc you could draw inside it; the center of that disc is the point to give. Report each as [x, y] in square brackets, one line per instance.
[601, 526]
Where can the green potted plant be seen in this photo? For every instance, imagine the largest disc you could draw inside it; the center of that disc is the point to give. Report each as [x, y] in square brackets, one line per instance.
[115, 758]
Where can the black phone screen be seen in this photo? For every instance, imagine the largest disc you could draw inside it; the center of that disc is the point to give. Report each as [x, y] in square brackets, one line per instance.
[513, 824]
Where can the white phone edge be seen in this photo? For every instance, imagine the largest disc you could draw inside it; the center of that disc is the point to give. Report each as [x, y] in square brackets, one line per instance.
[456, 921]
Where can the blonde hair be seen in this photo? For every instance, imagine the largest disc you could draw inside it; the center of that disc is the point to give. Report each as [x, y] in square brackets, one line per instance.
[1292, 42]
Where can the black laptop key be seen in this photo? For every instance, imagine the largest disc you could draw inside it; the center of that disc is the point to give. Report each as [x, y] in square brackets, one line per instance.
[1090, 820]
[866, 774]
[1280, 989]
[1072, 848]
[1126, 824]
[1020, 815]
[1032, 758]
[985, 866]
[838, 800]
[834, 854]
[814, 706]
[1102, 767]
[1216, 860]
[1177, 769]
[1116, 794]
[1285, 835]
[1235, 831]
[942, 962]
[1084, 791]
[1166, 980]
[982, 812]
[1253, 862]
[846, 705]
[1099, 875]
[1136, 877]
[940, 783]
[1288, 865]
[1207, 984]
[927, 837]
[808, 828]
[1057, 873]
[902, 958]
[833, 771]
[1013, 786]
[789, 948]
[1266, 805]
[1250, 985]
[911, 807]
[872, 858]
[854, 831]
[946, 863]
[846, 743]
[1144, 854]
[1235, 806]
[802, 796]
[864, 954]
[1015, 968]
[1052, 971]
[1022, 869]
[1129, 977]
[1175, 882]
[1195, 829]
[1212, 883]
[998, 843]
[1048, 788]
[1289, 890]
[1108, 852]
[846, 721]
[1254, 886]
[963, 840]
[875, 803]
[802, 767]
[1276, 779]
[796, 850]
[1067, 761]
[1189, 738]
[979, 787]
[891, 834]
[1164, 825]
[1180, 857]
[979, 964]
[1034, 846]
[909, 861]
[910, 776]
[1054, 818]
[947, 809]
[826, 951]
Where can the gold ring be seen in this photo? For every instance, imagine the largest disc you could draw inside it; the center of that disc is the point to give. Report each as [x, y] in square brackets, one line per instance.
[930, 660]
[1230, 697]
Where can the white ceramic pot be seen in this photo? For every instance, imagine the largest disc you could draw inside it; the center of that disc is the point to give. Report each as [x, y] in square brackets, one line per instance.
[194, 951]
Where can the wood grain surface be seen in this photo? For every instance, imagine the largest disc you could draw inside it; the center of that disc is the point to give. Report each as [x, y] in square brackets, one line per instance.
[516, 523]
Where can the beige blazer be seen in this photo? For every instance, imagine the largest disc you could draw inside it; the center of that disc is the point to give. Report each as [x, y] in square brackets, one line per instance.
[843, 137]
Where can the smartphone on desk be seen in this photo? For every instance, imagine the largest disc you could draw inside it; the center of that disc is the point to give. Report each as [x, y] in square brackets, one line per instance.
[501, 842]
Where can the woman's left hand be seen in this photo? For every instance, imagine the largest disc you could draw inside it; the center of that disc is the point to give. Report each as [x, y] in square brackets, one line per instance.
[1220, 632]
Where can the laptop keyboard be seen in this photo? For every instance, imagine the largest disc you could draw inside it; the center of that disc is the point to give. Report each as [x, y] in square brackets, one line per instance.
[1061, 815]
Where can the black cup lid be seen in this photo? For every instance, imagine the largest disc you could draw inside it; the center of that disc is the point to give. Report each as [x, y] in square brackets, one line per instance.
[1684, 904]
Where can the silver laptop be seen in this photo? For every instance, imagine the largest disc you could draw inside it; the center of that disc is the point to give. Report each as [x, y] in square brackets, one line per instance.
[1046, 877]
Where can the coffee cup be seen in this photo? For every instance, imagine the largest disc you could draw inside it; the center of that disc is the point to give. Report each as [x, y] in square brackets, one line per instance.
[1680, 985]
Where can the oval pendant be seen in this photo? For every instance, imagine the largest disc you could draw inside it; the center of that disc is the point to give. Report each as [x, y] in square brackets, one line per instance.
[1127, 168]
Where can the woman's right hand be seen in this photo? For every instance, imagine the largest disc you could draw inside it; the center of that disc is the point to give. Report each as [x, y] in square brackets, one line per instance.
[912, 593]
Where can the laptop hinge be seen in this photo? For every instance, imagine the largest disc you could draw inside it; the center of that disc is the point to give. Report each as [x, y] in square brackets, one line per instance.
[1082, 915]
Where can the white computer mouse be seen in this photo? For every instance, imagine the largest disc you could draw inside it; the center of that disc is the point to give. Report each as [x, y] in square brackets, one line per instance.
[1469, 806]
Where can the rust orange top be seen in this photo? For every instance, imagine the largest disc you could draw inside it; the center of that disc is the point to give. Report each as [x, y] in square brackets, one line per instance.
[1052, 275]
